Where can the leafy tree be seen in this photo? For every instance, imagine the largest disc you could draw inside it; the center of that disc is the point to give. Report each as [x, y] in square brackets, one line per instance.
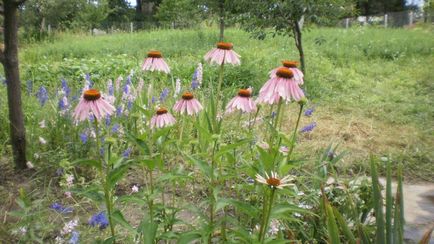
[180, 13]
[224, 10]
[119, 12]
[92, 14]
[277, 17]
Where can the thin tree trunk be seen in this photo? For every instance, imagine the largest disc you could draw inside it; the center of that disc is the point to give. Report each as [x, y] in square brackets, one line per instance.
[9, 59]
[222, 20]
[299, 44]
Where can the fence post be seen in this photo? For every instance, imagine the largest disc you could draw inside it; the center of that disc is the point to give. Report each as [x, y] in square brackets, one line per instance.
[411, 17]
[131, 27]
[385, 20]
[347, 23]
[49, 29]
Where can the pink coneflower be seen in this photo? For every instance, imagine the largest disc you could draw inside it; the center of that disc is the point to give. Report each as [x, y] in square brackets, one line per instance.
[162, 119]
[155, 61]
[243, 101]
[188, 104]
[223, 54]
[281, 86]
[292, 65]
[92, 102]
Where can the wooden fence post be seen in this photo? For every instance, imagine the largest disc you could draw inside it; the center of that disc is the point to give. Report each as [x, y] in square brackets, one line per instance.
[385, 21]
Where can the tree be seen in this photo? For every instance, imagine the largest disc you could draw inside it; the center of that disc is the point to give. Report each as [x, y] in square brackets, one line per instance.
[222, 9]
[278, 17]
[180, 13]
[9, 59]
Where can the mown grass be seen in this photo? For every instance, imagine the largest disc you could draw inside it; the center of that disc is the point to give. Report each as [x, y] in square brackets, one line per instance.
[372, 88]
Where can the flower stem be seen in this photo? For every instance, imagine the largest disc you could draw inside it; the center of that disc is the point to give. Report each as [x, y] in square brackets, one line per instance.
[279, 108]
[211, 192]
[107, 195]
[267, 217]
[220, 83]
[294, 135]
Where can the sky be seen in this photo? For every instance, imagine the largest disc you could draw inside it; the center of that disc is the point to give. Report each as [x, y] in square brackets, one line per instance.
[132, 2]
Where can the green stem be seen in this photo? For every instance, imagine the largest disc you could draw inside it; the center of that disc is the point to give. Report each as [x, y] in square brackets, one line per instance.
[251, 124]
[211, 191]
[220, 83]
[294, 135]
[151, 202]
[264, 210]
[267, 217]
[107, 195]
[279, 108]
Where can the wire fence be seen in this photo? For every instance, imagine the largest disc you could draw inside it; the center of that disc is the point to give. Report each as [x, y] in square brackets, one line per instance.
[390, 20]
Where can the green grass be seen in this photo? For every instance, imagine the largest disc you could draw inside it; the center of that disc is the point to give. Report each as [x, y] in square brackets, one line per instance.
[373, 87]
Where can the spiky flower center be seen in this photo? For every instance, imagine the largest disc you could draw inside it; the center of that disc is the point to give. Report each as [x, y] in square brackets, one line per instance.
[274, 182]
[225, 45]
[187, 96]
[155, 54]
[161, 111]
[244, 93]
[290, 64]
[91, 95]
[283, 72]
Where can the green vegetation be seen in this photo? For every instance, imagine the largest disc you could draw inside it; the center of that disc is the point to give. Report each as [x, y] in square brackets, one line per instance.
[371, 87]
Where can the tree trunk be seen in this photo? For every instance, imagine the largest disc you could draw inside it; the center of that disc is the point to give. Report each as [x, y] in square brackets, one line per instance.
[9, 58]
[299, 44]
[222, 20]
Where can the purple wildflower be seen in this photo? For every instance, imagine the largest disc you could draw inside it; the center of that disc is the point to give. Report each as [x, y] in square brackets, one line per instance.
[164, 94]
[111, 89]
[108, 120]
[309, 112]
[115, 128]
[63, 103]
[83, 138]
[100, 220]
[308, 128]
[127, 153]
[65, 87]
[194, 82]
[119, 111]
[59, 208]
[42, 95]
[74, 237]
[153, 99]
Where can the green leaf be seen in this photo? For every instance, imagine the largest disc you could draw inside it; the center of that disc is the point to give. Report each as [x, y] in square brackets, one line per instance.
[116, 174]
[378, 204]
[230, 147]
[88, 162]
[246, 208]
[139, 142]
[389, 203]
[202, 165]
[189, 237]
[132, 199]
[119, 218]
[332, 227]
[344, 227]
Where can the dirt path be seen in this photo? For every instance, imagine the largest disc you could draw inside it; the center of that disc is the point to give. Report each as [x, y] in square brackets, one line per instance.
[418, 209]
